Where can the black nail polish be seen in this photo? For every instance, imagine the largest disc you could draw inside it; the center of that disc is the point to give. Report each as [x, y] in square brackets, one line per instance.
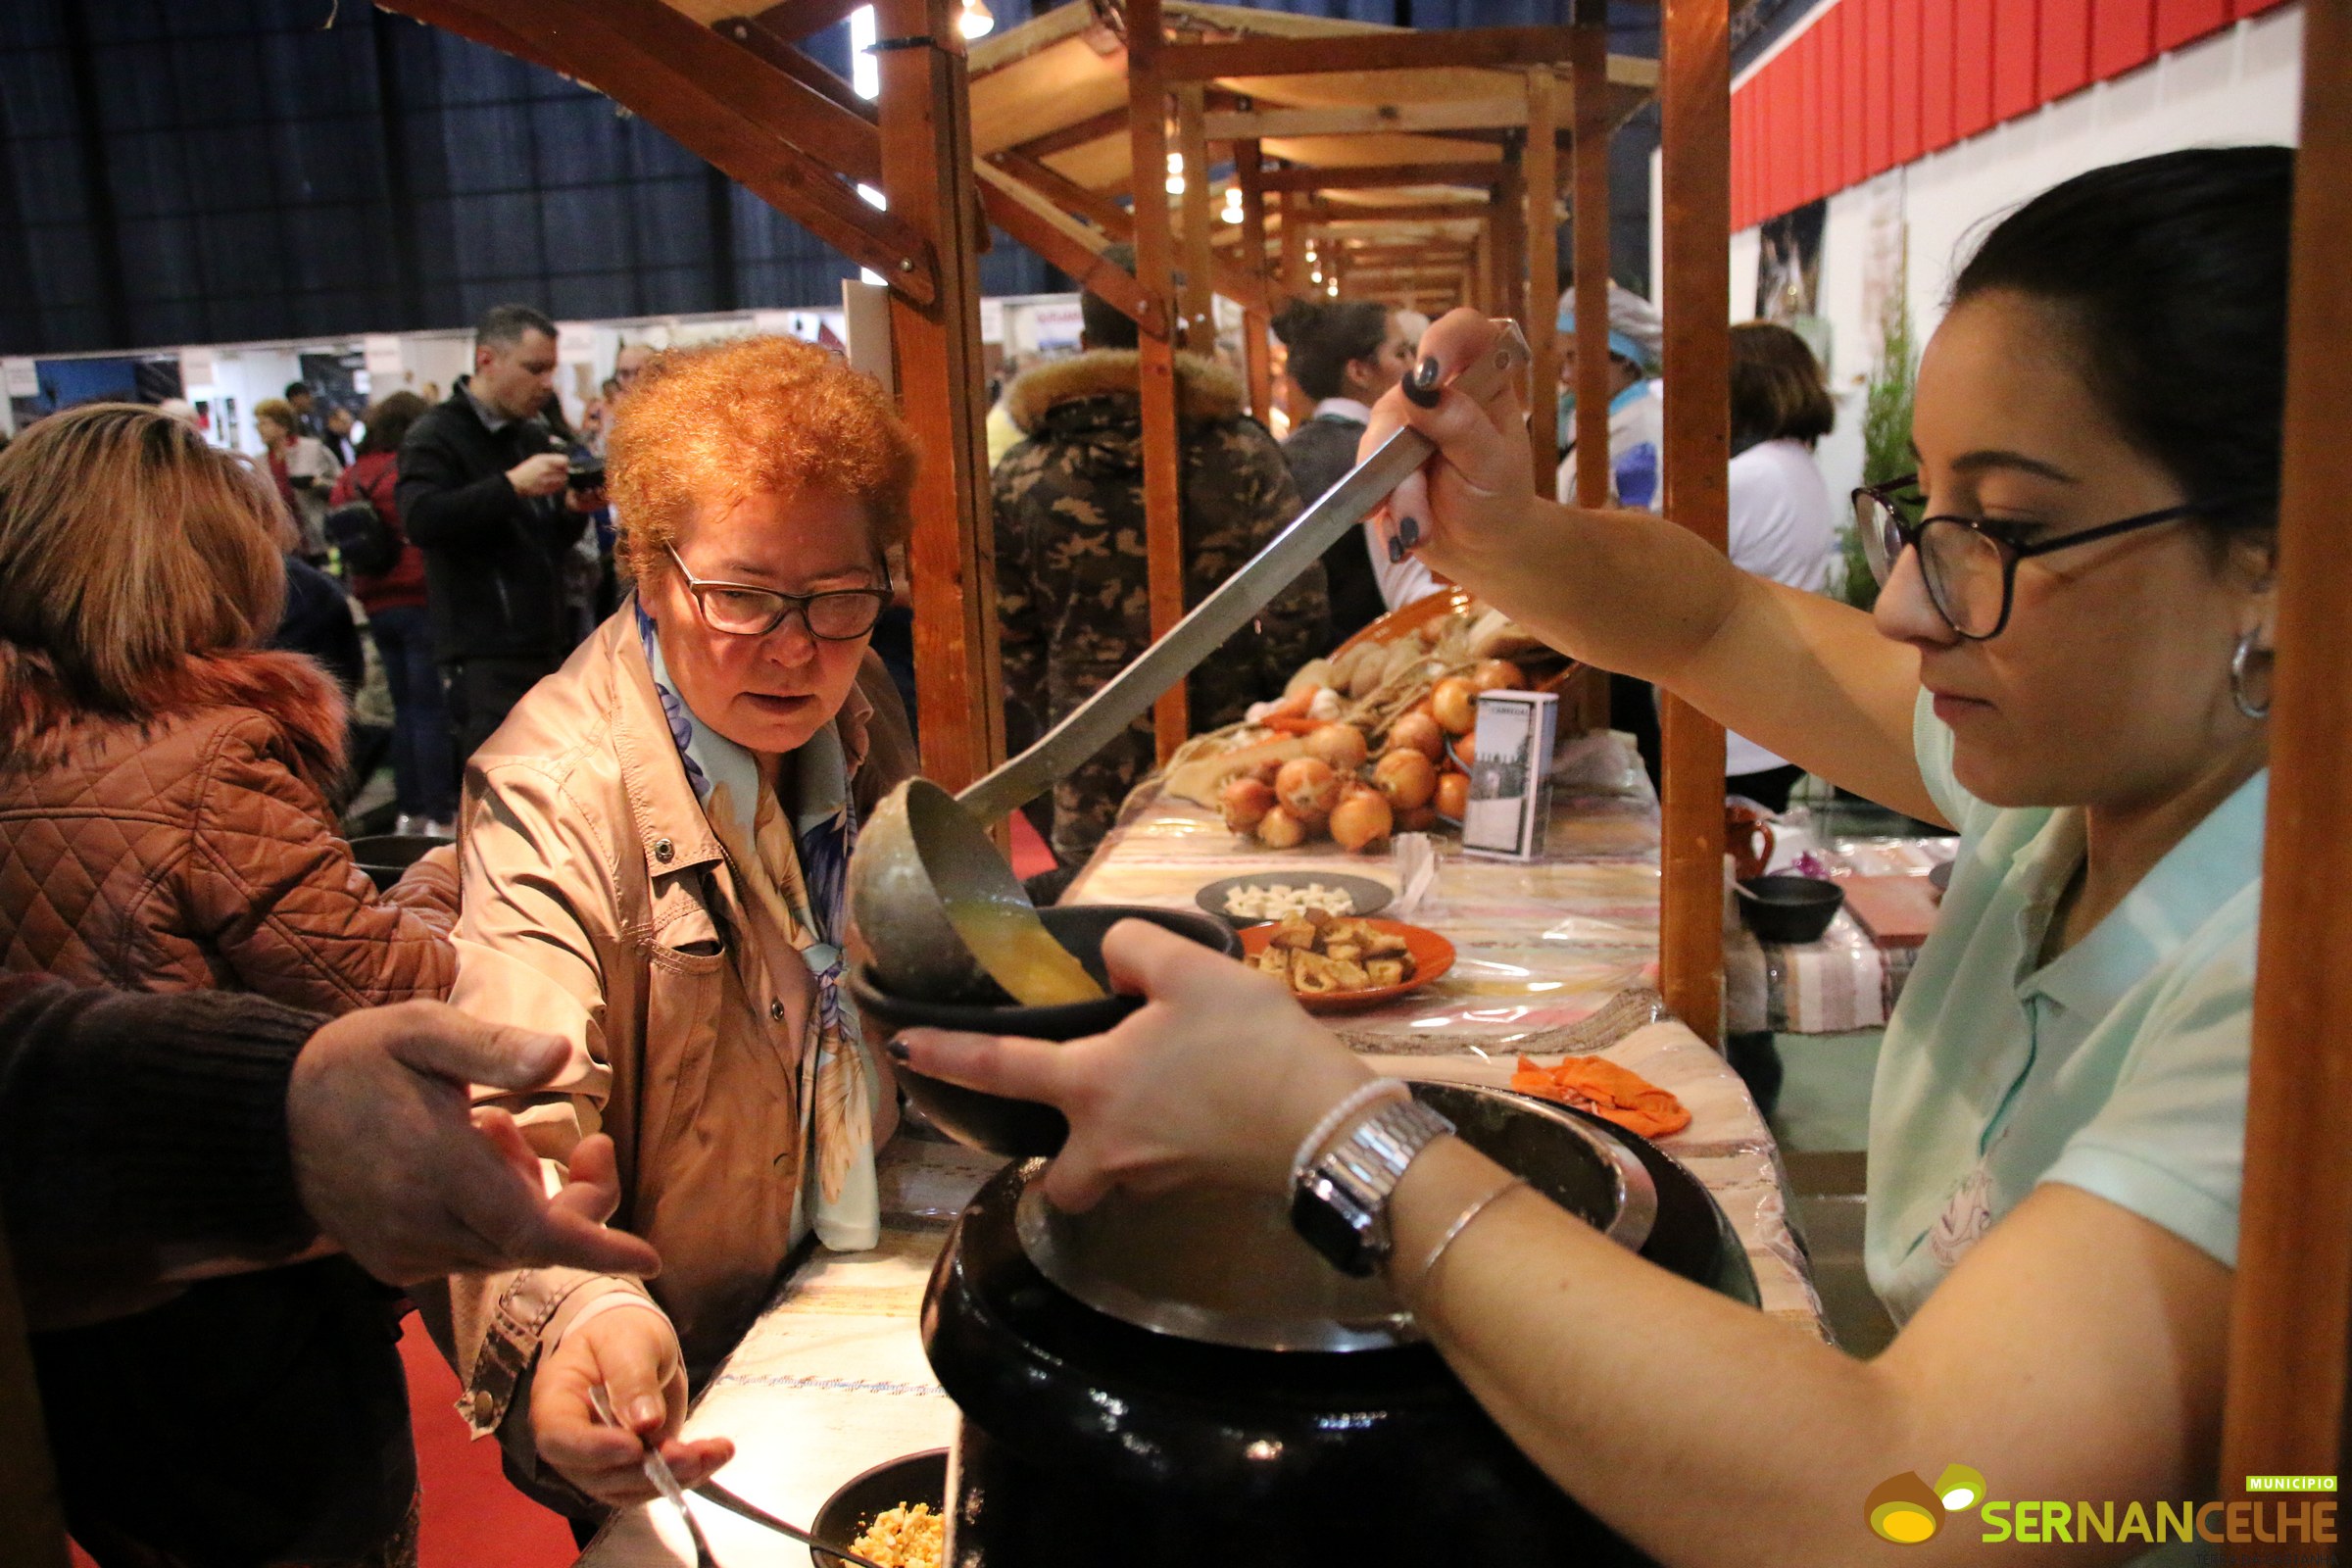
[1396, 551]
[897, 1050]
[1408, 532]
[1421, 384]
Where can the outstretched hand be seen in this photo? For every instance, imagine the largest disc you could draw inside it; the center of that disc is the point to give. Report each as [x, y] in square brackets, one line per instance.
[1215, 1079]
[392, 1162]
[1461, 511]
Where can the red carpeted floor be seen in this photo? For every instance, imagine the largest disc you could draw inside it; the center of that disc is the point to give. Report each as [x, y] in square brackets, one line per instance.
[473, 1518]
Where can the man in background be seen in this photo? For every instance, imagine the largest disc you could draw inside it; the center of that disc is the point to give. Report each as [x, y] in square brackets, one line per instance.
[305, 403]
[1073, 592]
[484, 492]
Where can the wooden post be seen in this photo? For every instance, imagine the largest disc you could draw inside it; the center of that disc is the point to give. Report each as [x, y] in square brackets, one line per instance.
[927, 176]
[1510, 242]
[1590, 212]
[1294, 241]
[1198, 294]
[1258, 357]
[1542, 171]
[2286, 1412]
[1163, 538]
[1694, 96]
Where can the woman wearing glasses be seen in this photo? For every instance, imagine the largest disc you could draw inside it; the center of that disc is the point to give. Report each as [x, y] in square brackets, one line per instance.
[2069, 664]
[654, 850]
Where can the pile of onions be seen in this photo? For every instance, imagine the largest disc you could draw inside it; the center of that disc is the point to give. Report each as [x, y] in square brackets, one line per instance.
[1406, 777]
[1308, 786]
[1245, 800]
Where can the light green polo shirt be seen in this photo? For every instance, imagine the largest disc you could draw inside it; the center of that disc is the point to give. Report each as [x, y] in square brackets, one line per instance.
[2118, 1068]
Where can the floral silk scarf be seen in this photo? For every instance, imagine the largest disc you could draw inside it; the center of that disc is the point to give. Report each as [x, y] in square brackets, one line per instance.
[790, 851]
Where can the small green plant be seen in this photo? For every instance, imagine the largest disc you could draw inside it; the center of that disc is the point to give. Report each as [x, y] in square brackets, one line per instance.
[1885, 429]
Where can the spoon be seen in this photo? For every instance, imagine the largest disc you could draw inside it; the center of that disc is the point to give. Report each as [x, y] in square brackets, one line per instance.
[939, 905]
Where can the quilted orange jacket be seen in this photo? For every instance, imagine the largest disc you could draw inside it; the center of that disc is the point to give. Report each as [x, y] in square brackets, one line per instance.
[193, 848]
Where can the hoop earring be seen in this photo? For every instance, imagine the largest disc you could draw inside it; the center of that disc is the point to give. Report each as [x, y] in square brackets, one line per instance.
[2238, 659]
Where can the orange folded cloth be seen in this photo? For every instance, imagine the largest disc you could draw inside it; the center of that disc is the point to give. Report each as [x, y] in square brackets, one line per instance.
[1607, 1090]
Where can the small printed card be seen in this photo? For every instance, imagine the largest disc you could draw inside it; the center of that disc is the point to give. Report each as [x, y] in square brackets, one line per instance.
[1508, 780]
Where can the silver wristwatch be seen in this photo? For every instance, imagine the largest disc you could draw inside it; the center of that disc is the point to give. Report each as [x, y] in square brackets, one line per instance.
[1339, 1199]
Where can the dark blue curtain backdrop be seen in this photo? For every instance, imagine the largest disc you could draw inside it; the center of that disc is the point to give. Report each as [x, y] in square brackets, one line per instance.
[215, 171]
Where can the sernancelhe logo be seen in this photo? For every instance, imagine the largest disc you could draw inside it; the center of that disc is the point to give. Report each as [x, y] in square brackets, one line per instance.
[1905, 1510]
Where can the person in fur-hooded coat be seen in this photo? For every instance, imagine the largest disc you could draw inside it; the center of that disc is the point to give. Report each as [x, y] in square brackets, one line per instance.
[163, 826]
[1073, 592]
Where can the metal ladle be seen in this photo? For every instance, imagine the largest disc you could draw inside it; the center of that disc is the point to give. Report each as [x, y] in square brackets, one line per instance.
[926, 880]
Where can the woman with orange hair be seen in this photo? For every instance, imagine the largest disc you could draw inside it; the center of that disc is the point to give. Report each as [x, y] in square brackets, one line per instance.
[165, 826]
[654, 850]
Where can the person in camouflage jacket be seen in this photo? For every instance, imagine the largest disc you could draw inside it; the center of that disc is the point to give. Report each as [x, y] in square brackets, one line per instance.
[1072, 594]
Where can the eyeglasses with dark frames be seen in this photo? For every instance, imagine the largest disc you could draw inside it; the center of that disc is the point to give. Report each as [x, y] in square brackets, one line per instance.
[742, 610]
[1968, 567]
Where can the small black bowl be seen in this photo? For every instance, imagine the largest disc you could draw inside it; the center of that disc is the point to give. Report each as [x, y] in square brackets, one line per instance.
[387, 857]
[916, 1477]
[1789, 908]
[1022, 1129]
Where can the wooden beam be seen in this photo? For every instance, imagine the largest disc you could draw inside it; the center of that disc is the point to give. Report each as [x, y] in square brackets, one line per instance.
[1399, 212]
[2292, 1296]
[1588, 206]
[1154, 266]
[1295, 225]
[927, 176]
[1257, 354]
[1400, 49]
[727, 106]
[1114, 220]
[778, 51]
[1543, 182]
[1037, 222]
[1357, 120]
[1510, 242]
[1197, 298]
[1379, 177]
[1110, 122]
[795, 20]
[1695, 131]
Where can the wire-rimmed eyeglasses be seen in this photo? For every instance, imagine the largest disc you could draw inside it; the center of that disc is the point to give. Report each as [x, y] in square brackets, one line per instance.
[743, 610]
[1969, 567]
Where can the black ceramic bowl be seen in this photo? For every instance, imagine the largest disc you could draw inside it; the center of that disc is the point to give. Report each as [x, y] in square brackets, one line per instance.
[385, 856]
[1789, 908]
[916, 1477]
[1020, 1129]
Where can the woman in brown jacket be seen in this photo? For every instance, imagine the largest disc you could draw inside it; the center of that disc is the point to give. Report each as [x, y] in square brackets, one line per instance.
[654, 848]
[163, 826]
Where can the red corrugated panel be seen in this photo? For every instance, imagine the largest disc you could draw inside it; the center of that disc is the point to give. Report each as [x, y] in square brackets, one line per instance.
[2065, 47]
[1738, 161]
[1853, 85]
[1825, 73]
[1878, 86]
[2123, 35]
[2177, 22]
[1972, 65]
[1791, 134]
[2251, 8]
[2016, 36]
[1817, 152]
[1936, 22]
[1903, 135]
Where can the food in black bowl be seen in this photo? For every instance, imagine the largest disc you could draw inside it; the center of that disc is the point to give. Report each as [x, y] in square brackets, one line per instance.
[903, 1483]
[387, 857]
[1020, 1129]
[1789, 908]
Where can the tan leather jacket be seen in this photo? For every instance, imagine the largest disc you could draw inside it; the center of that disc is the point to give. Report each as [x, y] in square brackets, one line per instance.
[598, 903]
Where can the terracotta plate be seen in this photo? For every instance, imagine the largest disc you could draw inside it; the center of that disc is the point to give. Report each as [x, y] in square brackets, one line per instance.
[1431, 954]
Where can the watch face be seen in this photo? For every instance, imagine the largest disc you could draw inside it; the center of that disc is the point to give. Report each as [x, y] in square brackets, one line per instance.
[1320, 1215]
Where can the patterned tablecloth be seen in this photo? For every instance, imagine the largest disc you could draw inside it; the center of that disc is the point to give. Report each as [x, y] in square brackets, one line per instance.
[1845, 981]
[1554, 957]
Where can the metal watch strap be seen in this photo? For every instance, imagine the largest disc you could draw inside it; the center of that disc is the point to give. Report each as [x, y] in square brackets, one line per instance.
[1340, 1201]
